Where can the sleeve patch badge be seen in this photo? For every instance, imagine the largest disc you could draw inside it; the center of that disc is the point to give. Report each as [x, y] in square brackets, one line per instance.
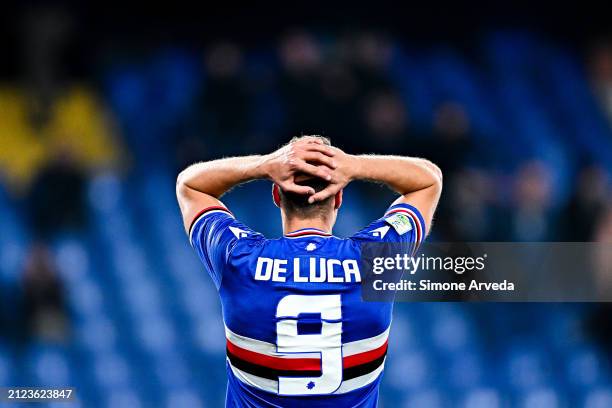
[400, 223]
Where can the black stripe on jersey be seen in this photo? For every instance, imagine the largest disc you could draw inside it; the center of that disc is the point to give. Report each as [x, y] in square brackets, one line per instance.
[362, 369]
[267, 372]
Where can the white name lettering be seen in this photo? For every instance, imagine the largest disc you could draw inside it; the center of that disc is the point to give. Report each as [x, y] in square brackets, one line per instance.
[304, 270]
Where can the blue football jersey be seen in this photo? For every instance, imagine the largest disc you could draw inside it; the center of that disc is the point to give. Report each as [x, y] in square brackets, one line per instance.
[298, 333]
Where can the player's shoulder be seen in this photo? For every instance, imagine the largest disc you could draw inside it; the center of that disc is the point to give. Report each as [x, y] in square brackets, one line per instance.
[218, 237]
[217, 224]
[399, 222]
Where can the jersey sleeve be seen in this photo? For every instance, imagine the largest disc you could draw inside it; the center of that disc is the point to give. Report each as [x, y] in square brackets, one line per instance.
[214, 233]
[401, 223]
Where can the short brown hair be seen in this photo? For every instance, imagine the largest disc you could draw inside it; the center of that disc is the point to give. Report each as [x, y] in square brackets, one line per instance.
[323, 139]
[298, 204]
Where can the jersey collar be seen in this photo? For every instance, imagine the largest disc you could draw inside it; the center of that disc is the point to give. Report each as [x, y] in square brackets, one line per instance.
[307, 232]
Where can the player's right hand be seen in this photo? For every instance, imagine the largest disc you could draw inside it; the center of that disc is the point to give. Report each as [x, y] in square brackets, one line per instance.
[305, 156]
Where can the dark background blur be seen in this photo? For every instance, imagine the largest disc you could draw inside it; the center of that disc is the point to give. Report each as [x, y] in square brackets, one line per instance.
[101, 106]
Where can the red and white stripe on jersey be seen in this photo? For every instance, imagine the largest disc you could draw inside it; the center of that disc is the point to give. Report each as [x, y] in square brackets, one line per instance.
[416, 222]
[307, 232]
[258, 364]
[207, 211]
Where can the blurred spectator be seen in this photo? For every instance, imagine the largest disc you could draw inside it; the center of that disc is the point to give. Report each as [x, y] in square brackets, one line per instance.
[225, 101]
[603, 261]
[44, 303]
[531, 219]
[219, 121]
[386, 124]
[599, 322]
[301, 59]
[451, 142]
[370, 54]
[601, 71]
[586, 204]
[31, 137]
[467, 211]
[340, 99]
[355, 75]
[45, 113]
[56, 200]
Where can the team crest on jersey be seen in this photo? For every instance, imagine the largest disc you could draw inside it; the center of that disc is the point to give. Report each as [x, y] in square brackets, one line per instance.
[400, 223]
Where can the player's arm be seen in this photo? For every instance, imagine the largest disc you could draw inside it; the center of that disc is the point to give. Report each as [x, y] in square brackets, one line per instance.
[201, 185]
[418, 181]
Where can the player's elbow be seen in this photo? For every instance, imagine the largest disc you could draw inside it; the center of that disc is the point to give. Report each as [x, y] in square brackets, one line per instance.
[436, 173]
[181, 183]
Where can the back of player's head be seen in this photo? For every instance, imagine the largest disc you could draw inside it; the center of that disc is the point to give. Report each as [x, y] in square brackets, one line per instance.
[323, 139]
[297, 204]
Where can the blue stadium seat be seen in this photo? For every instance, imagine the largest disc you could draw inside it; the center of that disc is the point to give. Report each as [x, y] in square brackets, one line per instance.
[111, 371]
[156, 334]
[598, 398]
[584, 368]
[465, 370]
[48, 365]
[97, 335]
[542, 398]
[483, 398]
[123, 398]
[525, 369]
[427, 398]
[6, 367]
[409, 371]
[184, 398]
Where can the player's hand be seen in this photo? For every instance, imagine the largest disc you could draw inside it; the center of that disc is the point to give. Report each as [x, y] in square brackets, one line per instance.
[341, 176]
[305, 156]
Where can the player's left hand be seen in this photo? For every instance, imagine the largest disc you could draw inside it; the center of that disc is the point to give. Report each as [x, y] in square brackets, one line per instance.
[340, 176]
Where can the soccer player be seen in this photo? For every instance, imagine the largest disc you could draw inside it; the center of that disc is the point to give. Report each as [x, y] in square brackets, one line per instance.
[298, 333]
